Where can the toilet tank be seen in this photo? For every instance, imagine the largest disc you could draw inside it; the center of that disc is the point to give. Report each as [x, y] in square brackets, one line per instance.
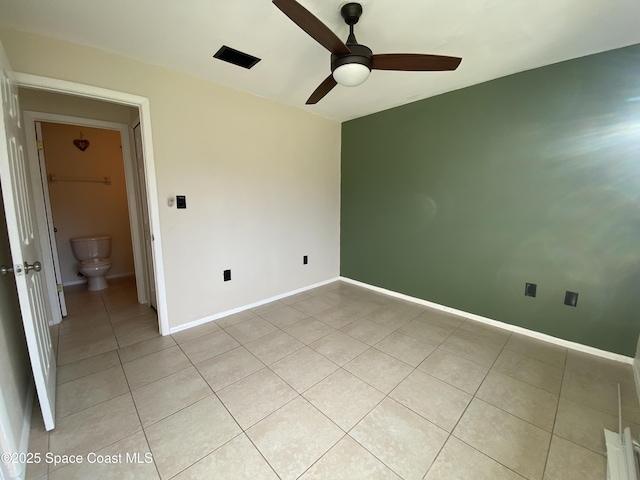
[91, 246]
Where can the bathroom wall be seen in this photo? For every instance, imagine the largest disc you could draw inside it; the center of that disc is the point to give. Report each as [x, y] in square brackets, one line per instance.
[84, 208]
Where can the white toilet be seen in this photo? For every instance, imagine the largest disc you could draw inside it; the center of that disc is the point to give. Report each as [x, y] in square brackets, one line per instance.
[93, 253]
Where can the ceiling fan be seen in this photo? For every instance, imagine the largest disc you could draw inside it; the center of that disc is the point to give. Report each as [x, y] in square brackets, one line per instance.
[351, 62]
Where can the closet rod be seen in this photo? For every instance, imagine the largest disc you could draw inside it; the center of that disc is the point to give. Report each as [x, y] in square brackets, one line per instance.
[54, 178]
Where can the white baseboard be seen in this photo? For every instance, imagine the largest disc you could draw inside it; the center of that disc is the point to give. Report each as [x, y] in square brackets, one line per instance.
[108, 277]
[636, 368]
[216, 316]
[506, 326]
[121, 275]
[636, 377]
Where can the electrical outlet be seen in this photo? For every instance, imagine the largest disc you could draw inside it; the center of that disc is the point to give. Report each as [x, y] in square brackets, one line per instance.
[530, 289]
[226, 275]
[305, 259]
[571, 298]
[181, 201]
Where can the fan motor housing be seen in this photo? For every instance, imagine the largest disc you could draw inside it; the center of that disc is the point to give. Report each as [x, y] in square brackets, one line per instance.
[359, 54]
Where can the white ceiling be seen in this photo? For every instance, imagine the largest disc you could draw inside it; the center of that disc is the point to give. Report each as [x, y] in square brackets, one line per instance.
[493, 37]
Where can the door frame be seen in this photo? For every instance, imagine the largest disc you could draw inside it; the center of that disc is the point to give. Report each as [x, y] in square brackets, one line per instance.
[143, 209]
[44, 204]
[37, 82]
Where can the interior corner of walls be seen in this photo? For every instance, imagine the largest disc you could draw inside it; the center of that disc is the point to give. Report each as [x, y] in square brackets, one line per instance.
[217, 316]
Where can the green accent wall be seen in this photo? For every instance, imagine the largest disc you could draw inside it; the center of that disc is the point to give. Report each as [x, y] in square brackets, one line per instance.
[460, 199]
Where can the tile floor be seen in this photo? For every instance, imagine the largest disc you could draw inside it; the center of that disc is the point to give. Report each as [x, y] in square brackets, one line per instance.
[334, 383]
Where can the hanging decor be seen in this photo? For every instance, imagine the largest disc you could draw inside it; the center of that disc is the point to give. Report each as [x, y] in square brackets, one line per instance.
[81, 143]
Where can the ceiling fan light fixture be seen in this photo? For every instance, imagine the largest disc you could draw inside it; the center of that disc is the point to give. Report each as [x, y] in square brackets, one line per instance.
[351, 62]
[351, 74]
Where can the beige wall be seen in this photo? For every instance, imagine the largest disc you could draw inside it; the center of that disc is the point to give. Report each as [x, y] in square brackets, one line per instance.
[15, 373]
[83, 208]
[262, 179]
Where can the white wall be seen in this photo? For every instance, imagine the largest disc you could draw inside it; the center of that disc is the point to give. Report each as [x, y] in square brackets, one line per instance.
[83, 208]
[262, 180]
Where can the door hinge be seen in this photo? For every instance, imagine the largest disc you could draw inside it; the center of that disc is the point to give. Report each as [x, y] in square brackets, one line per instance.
[59, 288]
[39, 145]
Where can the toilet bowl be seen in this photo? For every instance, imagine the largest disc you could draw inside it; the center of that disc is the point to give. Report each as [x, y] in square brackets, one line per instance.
[93, 252]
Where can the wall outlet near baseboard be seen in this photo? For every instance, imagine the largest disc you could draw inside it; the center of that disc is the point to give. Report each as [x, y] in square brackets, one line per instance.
[226, 275]
[571, 298]
[305, 260]
[530, 289]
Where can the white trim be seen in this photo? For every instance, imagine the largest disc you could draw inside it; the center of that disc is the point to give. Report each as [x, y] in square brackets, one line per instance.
[506, 326]
[636, 377]
[108, 277]
[121, 275]
[42, 208]
[71, 88]
[217, 316]
[636, 368]
[37, 82]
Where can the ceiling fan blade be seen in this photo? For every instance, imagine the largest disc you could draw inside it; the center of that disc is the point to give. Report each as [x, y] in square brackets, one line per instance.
[414, 62]
[310, 24]
[325, 87]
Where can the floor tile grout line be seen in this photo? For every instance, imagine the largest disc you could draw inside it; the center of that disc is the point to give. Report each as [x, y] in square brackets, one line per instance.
[559, 395]
[503, 347]
[509, 413]
[348, 432]
[322, 456]
[451, 434]
[555, 417]
[372, 453]
[213, 393]
[528, 383]
[134, 405]
[301, 395]
[488, 456]
[589, 449]
[384, 397]
[142, 427]
[591, 407]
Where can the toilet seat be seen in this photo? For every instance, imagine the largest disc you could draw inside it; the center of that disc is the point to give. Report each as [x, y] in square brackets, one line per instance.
[95, 262]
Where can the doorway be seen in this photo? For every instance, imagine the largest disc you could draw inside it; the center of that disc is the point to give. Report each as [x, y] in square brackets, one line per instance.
[86, 192]
[141, 104]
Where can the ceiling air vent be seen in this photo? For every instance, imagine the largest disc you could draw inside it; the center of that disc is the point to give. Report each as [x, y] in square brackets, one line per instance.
[236, 57]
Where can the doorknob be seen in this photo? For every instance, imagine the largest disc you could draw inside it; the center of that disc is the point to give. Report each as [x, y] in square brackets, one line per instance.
[37, 266]
[4, 270]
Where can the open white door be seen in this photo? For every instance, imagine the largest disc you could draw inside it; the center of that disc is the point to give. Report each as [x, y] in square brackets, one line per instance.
[144, 214]
[51, 229]
[24, 244]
